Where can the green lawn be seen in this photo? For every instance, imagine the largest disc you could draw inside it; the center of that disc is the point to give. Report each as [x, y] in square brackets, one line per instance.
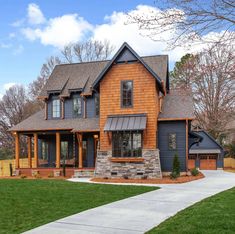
[25, 204]
[214, 215]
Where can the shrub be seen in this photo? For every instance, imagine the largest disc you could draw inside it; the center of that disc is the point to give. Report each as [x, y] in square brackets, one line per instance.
[174, 175]
[38, 176]
[230, 150]
[194, 172]
[176, 167]
[23, 176]
[125, 177]
[51, 175]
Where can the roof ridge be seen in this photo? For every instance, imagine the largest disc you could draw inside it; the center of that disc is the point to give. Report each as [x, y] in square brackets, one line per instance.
[157, 55]
[107, 60]
[98, 61]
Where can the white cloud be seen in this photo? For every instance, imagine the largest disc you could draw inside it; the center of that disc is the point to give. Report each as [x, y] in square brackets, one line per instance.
[117, 31]
[35, 15]
[18, 50]
[60, 31]
[18, 23]
[8, 85]
[12, 35]
[5, 45]
[70, 28]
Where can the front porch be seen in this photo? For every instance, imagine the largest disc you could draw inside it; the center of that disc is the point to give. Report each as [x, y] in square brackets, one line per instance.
[57, 153]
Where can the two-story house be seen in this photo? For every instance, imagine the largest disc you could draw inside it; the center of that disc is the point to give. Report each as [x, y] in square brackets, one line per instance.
[115, 118]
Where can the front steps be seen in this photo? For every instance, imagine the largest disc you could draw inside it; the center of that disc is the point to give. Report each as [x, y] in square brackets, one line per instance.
[83, 173]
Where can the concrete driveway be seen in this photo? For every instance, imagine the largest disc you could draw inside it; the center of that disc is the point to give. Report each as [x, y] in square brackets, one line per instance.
[141, 213]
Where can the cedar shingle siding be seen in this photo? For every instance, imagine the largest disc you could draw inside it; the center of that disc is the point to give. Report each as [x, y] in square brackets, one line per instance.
[145, 100]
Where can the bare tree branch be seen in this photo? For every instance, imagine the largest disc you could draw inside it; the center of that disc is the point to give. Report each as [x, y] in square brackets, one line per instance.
[187, 21]
[211, 77]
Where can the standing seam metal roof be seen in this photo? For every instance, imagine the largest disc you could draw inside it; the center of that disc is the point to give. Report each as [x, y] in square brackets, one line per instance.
[126, 122]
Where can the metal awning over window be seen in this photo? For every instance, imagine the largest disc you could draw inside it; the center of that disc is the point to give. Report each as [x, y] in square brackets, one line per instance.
[126, 123]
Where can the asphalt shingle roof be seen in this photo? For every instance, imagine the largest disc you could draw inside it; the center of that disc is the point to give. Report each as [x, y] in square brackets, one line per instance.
[68, 77]
[177, 104]
[37, 122]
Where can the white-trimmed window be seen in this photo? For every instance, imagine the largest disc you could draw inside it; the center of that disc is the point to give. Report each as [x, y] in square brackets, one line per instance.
[172, 141]
[56, 108]
[77, 106]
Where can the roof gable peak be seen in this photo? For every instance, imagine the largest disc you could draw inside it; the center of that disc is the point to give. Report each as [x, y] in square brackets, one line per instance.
[126, 52]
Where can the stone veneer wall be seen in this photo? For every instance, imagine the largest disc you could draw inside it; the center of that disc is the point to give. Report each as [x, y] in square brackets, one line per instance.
[149, 168]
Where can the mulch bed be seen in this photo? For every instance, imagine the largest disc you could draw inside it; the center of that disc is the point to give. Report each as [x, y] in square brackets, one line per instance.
[164, 180]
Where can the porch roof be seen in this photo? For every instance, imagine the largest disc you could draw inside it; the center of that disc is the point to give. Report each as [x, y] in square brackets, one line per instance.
[37, 122]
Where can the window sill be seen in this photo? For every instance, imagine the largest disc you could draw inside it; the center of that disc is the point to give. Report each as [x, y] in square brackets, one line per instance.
[131, 159]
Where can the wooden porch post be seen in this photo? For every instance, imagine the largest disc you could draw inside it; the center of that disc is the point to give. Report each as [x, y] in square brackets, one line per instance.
[35, 138]
[17, 150]
[80, 161]
[58, 150]
[29, 152]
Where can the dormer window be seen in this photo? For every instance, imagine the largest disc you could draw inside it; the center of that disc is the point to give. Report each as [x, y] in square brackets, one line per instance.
[77, 106]
[56, 108]
[127, 93]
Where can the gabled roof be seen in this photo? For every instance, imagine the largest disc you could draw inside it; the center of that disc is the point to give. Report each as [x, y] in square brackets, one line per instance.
[119, 52]
[178, 104]
[208, 142]
[67, 78]
[70, 77]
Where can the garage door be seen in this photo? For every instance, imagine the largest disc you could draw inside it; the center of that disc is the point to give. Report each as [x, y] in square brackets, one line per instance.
[208, 162]
[191, 161]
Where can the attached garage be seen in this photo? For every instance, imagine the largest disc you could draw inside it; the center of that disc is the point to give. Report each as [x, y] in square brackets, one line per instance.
[207, 154]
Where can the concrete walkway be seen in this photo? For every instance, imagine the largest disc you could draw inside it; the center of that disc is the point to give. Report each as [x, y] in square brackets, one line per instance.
[141, 213]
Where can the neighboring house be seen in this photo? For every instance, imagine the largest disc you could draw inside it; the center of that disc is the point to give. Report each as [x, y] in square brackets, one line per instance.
[206, 154]
[111, 118]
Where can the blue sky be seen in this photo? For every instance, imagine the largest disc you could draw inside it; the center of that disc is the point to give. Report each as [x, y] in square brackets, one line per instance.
[31, 31]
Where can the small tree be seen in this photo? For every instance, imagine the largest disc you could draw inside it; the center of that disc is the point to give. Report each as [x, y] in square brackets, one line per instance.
[176, 167]
[231, 150]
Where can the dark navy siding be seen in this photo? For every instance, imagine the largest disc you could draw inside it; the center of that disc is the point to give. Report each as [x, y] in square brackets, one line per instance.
[50, 139]
[90, 107]
[90, 153]
[126, 55]
[206, 143]
[49, 108]
[167, 155]
[220, 160]
[68, 107]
